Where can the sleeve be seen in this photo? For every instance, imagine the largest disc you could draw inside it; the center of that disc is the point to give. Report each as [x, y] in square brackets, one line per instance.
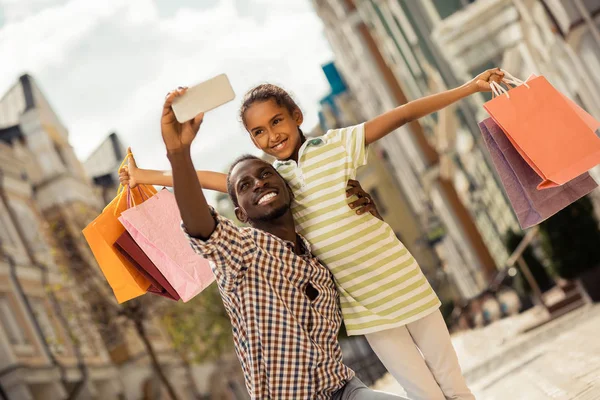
[353, 140]
[230, 249]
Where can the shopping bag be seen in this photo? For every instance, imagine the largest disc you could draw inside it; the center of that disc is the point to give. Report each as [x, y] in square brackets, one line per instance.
[159, 285]
[101, 234]
[520, 181]
[556, 137]
[155, 225]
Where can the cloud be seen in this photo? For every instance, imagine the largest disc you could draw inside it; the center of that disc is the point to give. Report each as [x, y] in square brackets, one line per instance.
[106, 66]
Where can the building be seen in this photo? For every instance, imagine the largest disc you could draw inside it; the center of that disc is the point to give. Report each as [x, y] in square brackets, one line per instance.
[39, 309]
[53, 343]
[423, 166]
[558, 39]
[391, 51]
[103, 164]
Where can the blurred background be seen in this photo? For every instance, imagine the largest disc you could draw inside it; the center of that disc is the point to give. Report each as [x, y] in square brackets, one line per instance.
[80, 81]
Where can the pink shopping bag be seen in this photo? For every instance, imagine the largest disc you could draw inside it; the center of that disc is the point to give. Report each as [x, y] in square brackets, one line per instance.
[155, 225]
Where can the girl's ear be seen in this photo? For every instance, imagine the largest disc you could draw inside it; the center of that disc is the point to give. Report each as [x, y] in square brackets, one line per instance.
[298, 116]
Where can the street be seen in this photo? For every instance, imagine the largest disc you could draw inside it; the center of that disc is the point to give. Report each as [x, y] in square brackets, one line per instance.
[560, 360]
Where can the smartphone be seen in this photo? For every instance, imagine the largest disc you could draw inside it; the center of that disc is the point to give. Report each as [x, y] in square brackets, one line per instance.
[203, 97]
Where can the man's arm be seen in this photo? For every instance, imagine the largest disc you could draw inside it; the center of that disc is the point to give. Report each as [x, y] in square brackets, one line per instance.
[192, 204]
[386, 123]
[178, 138]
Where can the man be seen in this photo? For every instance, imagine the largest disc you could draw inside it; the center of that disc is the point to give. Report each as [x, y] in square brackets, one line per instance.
[282, 302]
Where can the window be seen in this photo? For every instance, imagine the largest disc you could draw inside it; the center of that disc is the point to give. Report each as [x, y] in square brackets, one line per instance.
[48, 328]
[31, 227]
[60, 155]
[448, 7]
[10, 325]
[7, 231]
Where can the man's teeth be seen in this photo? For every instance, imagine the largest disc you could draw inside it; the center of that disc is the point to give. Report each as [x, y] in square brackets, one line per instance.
[266, 198]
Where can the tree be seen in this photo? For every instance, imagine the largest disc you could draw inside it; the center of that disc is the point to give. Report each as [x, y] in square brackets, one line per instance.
[541, 276]
[201, 327]
[109, 317]
[571, 239]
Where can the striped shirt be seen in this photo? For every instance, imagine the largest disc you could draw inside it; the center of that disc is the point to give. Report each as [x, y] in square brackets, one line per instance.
[284, 313]
[381, 285]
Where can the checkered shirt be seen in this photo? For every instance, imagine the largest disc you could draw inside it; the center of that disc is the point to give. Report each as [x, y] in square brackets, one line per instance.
[286, 343]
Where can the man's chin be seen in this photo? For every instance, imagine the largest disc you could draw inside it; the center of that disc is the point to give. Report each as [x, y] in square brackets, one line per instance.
[273, 214]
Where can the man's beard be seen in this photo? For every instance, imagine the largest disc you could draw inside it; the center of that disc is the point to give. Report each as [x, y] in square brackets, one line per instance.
[273, 215]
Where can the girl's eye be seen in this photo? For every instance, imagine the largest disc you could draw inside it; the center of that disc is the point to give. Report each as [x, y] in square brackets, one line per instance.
[258, 132]
[278, 120]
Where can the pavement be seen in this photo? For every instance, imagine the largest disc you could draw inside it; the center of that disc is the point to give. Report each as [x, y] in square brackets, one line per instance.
[558, 360]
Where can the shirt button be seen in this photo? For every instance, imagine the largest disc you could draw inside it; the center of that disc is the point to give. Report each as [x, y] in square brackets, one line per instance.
[314, 141]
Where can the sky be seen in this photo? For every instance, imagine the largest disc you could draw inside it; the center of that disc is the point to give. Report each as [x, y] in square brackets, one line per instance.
[106, 66]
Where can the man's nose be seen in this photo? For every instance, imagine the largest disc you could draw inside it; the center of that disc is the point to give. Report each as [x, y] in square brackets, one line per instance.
[259, 183]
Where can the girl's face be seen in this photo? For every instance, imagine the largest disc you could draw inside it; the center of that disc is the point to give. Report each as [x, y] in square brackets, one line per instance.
[274, 129]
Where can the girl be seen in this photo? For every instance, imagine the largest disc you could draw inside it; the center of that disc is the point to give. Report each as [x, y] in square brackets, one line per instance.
[383, 293]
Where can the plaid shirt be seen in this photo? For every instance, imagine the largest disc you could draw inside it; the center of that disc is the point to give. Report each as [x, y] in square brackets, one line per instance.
[286, 342]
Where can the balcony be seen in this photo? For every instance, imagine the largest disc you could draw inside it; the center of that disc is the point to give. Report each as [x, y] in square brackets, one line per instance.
[479, 33]
[567, 14]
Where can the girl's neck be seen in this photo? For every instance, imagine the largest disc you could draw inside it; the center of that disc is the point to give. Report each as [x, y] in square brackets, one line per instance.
[294, 155]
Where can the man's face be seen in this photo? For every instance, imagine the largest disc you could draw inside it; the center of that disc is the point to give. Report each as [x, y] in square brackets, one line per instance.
[262, 193]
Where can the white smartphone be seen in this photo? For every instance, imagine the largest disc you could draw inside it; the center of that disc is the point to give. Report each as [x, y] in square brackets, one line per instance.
[203, 97]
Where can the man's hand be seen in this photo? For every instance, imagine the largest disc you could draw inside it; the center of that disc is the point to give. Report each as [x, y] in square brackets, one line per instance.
[364, 203]
[481, 83]
[177, 136]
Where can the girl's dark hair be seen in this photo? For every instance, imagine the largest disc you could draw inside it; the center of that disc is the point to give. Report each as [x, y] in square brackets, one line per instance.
[265, 92]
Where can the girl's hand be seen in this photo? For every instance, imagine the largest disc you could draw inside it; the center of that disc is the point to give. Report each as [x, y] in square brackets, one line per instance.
[364, 203]
[481, 83]
[128, 174]
[177, 136]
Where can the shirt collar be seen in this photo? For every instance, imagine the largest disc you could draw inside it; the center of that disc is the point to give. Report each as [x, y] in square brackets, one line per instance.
[317, 141]
[305, 245]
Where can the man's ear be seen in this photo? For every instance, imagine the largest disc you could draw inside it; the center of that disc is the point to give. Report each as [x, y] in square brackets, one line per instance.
[241, 215]
[298, 116]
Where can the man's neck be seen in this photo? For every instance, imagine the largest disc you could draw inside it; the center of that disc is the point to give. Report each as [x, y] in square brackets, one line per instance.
[283, 227]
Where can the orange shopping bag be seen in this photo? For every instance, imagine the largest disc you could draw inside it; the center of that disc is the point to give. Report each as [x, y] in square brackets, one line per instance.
[101, 235]
[556, 137]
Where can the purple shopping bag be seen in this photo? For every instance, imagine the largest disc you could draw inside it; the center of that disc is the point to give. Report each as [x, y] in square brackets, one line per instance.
[520, 181]
[155, 225]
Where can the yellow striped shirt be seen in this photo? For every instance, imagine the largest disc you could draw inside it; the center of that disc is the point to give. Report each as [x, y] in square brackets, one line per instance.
[381, 285]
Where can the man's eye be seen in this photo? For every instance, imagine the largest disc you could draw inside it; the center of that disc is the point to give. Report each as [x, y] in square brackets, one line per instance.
[265, 174]
[243, 186]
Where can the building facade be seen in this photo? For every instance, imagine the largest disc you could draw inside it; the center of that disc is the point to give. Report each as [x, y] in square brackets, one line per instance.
[424, 167]
[52, 345]
[103, 164]
[424, 47]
